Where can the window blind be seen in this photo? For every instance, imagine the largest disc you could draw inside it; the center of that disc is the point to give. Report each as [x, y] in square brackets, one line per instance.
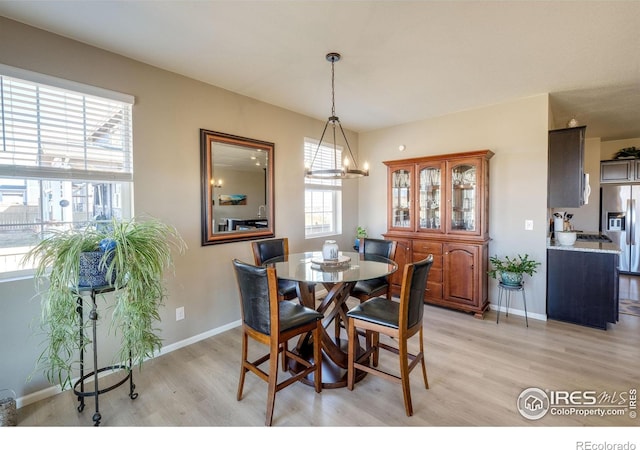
[49, 131]
[323, 157]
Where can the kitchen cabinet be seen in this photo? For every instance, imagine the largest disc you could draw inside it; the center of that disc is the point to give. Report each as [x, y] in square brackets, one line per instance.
[582, 287]
[566, 168]
[620, 171]
[439, 205]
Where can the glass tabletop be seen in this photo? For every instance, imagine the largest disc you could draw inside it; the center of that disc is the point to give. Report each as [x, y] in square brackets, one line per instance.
[309, 267]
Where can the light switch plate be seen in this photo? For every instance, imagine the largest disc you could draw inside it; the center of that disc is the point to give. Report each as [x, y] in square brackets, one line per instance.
[528, 224]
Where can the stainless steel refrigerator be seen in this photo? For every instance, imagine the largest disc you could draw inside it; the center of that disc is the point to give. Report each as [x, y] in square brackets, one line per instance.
[620, 220]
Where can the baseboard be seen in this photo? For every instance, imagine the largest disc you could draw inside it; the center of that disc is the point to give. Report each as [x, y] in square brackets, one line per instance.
[54, 390]
[519, 312]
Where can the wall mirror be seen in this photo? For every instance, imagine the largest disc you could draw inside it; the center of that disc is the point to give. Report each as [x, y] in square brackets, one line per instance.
[237, 188]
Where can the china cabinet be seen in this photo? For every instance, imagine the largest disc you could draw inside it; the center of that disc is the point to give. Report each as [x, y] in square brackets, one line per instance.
[440, 205]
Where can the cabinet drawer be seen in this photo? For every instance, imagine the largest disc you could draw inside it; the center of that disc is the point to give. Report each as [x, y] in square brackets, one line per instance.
[427, 247]
[435, 273]
[434, 289]
[437, 259]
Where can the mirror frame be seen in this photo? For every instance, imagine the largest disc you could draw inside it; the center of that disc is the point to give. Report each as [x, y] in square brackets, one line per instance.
[209, 234]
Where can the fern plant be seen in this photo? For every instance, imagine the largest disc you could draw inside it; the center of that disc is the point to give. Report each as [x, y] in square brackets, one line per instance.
[136, 255]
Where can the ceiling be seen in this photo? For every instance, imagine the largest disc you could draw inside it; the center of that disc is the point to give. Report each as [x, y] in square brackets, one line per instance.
[401, 61]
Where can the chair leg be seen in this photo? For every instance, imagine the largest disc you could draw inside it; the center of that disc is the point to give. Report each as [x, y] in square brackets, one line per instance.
[404, 375]
[317, 356]
[273, 382]
[351, 357]
[424, 366]
[243, 369]
[373, 339]
[285, 360]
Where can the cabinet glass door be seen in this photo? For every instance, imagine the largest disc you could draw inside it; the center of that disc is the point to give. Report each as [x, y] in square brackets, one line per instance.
[400, 198]
[463, 197]
[430, 198]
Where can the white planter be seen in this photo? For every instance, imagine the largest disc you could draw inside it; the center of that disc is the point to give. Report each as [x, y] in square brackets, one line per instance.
[330, 251]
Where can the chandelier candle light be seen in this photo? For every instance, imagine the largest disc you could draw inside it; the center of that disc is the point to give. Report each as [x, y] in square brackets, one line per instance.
[345, 171]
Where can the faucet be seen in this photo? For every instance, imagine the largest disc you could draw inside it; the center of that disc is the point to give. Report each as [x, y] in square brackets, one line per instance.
[261, 210]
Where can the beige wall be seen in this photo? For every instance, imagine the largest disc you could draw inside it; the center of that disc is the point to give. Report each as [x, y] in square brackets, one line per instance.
[609, 148]
[168, 113]
[517, 133]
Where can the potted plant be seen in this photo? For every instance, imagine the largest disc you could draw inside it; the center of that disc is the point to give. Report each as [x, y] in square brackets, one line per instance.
[131, 256]
[360, 233]
[510, 271]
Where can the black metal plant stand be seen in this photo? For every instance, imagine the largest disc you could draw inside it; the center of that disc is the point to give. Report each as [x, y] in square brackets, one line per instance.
[508, 289]
[81, 393]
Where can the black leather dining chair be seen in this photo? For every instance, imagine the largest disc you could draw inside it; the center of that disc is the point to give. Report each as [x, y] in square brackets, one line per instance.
[271, 248]
[398, 320]
[366, 289]
[273, 323]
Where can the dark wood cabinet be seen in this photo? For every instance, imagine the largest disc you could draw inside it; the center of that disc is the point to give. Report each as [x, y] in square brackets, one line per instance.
[566, 168]
[582, 287]
[619, 171]
[439, 205]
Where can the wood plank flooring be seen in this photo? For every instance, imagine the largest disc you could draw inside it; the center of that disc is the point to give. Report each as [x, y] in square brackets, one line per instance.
[477, 369]
[630, 287]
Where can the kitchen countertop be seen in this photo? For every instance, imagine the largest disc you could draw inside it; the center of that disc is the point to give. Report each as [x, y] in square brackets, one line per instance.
[581, 246]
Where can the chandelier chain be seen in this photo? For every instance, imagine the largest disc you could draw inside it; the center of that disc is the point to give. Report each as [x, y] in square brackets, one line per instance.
[343, 171]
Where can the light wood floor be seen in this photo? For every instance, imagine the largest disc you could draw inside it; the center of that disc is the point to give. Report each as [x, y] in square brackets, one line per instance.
[477, 369]
[630, 287]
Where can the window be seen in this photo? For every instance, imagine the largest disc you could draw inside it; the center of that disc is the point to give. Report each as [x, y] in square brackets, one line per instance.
[65, 159]
[322, 198]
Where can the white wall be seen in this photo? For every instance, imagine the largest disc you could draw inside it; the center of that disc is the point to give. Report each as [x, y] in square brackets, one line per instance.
[517, 133]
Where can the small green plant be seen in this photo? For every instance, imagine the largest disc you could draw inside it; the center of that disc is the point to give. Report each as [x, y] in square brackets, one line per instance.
[361, 233]
[520, 264]
[629, 152]
[136, 254]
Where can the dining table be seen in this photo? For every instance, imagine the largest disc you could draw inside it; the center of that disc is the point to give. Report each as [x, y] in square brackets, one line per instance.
[338, 277]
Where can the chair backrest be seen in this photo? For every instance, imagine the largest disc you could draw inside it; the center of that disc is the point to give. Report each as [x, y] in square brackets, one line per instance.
[378, 247]
[414, 283]
[269, 248]
[257, 285]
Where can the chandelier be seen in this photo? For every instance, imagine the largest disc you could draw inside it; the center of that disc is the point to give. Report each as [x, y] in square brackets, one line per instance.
[346, 170]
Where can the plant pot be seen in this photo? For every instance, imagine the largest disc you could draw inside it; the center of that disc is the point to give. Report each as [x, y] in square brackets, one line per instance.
[511, 278]
[92, 273]
[8, 413]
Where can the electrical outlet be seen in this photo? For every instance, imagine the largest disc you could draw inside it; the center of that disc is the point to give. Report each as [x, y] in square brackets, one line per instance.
[180, 313]
[528, 224]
